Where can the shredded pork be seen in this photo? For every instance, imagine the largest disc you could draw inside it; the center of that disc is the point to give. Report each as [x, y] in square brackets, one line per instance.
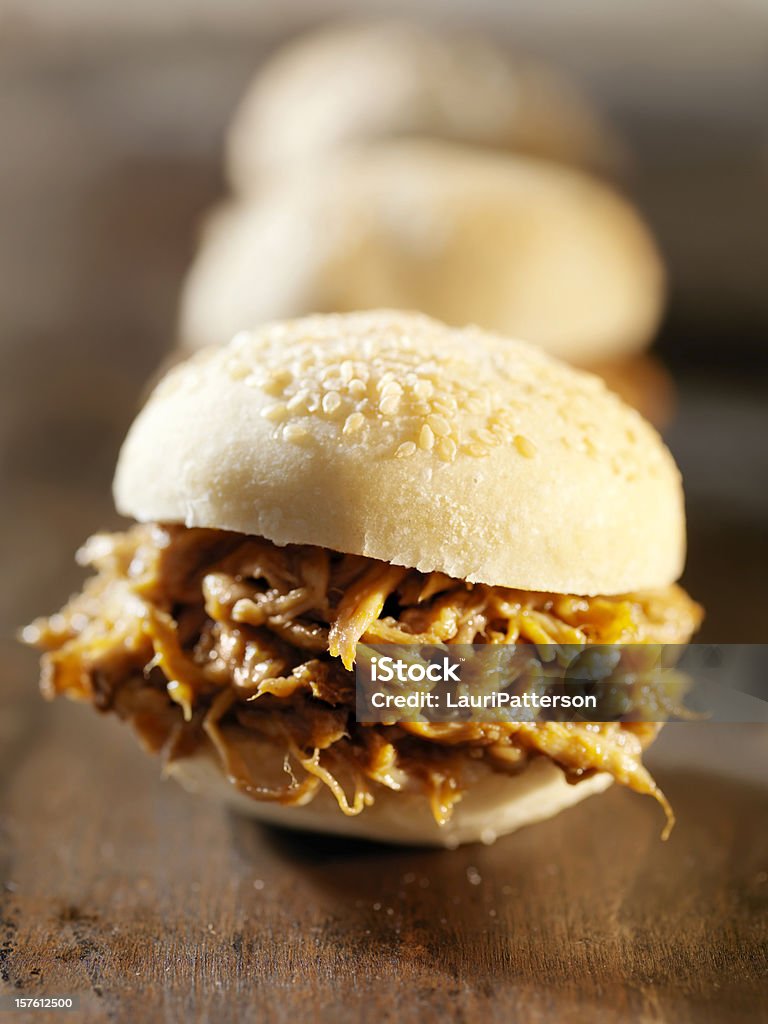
[205, 636]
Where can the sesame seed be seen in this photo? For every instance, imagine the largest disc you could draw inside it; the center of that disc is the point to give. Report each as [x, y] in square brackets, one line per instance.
[275, 383]
[353, 422]
[426, 438]
[294, 433]
[445, 404]
[525, 446]
[439, 424]
[275, 412]
[446, 449]
[331, 402]
[405, 450]
[501, 433]
[479, 451]
[299, 401]
[484, 437]
[357, 388]
[389, 405]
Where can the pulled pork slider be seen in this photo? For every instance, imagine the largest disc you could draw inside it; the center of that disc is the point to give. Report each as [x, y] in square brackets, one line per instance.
[374, 477]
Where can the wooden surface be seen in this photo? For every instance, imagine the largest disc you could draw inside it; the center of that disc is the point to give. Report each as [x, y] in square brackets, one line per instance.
[155, 907]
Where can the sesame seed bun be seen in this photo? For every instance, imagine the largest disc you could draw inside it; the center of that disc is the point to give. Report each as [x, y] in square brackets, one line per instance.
[513, 244]
[393, 436]
[347, 86]
[493, 805]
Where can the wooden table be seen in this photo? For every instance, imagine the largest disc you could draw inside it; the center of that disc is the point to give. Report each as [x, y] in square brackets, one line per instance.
[152, 906]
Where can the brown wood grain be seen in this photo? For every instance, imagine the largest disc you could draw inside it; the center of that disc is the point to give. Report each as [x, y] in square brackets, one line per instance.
[152, 905]
[155, 907]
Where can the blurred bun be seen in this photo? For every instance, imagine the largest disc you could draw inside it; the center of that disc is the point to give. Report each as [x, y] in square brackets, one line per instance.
[493, 805]
[512, 244]
[393, 436]
[352, 85]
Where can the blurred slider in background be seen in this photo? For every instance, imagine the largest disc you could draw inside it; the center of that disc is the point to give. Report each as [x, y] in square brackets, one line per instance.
[352, 84]
[394, 165]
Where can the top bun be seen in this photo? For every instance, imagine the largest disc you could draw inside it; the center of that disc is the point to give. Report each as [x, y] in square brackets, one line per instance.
[514, 244]
[351, 85]
[393, 436]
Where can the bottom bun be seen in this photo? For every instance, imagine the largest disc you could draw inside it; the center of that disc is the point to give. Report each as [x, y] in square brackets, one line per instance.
[494, 804]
